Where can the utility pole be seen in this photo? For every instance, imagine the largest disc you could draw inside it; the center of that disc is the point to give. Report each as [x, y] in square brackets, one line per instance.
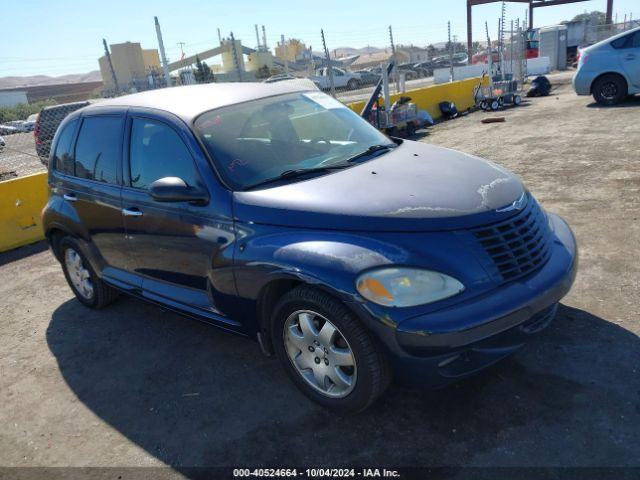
[236, 60]
[113, 72]
[469, 35]
[219, 37]
[264, 39]
[511, 50]
[395, 60]
[284, 54]
[181, 45]
[257, 38]
[329, 68]
[450, 51]
[165, 64]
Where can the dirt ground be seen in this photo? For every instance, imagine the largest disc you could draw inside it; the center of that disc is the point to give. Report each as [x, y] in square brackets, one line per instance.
[134, 385]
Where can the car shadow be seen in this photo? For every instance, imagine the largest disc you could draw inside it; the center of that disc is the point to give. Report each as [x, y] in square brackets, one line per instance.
[629, 102]
[193, 396]
[22, 252]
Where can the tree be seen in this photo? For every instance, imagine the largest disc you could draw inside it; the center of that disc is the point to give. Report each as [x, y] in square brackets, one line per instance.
[431, 51]
[203, 73]
[594, 18]
[263, 72]
[23, 110]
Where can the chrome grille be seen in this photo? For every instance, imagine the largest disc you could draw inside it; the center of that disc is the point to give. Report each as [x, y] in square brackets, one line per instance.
[519, 245]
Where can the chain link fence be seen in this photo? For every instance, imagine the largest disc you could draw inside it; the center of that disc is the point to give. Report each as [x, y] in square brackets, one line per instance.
[350, 75]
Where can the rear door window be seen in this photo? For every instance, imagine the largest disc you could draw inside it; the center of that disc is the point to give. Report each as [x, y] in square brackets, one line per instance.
[98, 148]
[624, 42]
[63, 156]
[157, 152]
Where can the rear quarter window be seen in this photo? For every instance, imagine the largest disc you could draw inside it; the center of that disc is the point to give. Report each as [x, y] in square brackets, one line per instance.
[63, 155]
[98, 149]
[628, 41]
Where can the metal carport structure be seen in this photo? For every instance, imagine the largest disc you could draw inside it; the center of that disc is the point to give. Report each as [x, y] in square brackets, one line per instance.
[532, 5]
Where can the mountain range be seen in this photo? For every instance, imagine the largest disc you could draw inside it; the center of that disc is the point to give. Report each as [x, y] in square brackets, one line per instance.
[34, 80]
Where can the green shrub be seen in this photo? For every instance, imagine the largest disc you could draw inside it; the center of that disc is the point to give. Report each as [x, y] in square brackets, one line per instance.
[23, 110]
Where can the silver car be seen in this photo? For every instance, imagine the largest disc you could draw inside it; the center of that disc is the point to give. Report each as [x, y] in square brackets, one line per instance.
[610, 70]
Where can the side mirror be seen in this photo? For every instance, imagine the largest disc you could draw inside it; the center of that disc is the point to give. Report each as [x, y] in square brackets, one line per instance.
[174, 189]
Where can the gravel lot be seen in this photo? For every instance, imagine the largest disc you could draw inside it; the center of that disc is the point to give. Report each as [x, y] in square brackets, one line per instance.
[134, 385]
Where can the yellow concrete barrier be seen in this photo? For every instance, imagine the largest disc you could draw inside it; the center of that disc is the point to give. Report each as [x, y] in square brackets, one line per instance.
[427, 98]
[21, 201]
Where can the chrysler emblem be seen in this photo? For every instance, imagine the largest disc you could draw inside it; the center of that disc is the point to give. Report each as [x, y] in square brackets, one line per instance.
[517, 205]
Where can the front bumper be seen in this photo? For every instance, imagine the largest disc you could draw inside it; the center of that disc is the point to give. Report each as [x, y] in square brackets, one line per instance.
[457, 341]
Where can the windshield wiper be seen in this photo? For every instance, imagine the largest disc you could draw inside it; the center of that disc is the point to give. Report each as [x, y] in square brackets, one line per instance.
[298, 172]
[372, 149]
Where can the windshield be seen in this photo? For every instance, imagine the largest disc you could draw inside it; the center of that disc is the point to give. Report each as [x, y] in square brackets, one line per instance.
[263, 139]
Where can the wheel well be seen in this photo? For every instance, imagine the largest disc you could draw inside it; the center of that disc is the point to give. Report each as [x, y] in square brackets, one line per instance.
[615, 74]
[267, 299]
[53, 237]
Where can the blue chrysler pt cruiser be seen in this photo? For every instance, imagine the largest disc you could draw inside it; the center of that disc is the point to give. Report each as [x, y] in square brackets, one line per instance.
[275, 212]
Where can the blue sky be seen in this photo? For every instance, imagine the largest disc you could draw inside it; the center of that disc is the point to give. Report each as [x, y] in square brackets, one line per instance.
[65, 36]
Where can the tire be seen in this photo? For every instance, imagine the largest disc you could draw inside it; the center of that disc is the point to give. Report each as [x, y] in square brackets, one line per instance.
[100, 294]
[495, 105]
[517, 100]
[352, 84]
[484, 105]
[609, 89]
[349, 355]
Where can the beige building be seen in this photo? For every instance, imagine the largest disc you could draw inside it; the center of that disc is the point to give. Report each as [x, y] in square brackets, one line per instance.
[258, 59]
[132, 64]
[229, 56]
[292, 50]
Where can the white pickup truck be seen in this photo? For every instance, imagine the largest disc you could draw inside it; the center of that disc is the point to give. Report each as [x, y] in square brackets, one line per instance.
[341, 79]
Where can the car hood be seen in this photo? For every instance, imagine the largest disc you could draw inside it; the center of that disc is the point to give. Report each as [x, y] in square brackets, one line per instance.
[415, 187]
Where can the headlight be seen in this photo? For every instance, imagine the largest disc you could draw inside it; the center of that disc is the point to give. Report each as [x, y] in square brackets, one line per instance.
[406, 287]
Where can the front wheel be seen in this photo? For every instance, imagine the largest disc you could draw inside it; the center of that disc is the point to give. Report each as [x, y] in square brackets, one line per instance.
[609, 90]
[327, 353]
[352, 84]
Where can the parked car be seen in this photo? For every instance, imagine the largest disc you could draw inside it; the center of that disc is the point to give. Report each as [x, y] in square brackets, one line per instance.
[275, 212]
[279, 78]
[483, 57]
[424, 69]
[21, 126]
[610, 70]
[47, 123]
[341, 79]
[409, 71]
[460, 59]
[8, 129]
[368, 77]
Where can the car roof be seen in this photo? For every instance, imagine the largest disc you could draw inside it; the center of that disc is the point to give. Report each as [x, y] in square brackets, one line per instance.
[65, 105]
[189, 101]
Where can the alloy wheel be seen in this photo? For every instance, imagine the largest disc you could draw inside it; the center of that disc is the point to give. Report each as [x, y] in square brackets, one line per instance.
[609, 91]
[320, 353]
[78, 273]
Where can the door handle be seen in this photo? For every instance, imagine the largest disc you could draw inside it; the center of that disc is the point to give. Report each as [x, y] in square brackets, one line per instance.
[70, 197]
[131, 212]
